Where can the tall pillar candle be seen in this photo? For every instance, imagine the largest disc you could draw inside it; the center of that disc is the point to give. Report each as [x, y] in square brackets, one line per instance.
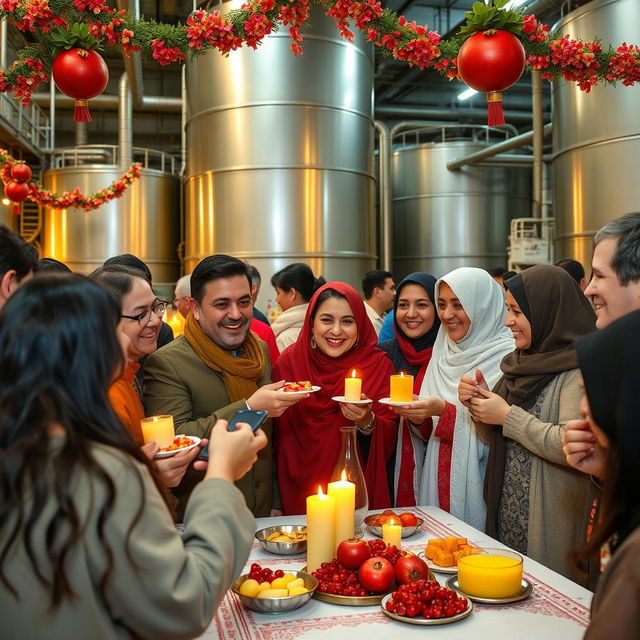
[401, 388]
[321, 527]
[344, 493]
[392, 534]
[352, 388]
[159, 429]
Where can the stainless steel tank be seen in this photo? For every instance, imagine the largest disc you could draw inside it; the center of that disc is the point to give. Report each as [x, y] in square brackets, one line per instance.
[596, 136]
[280, 157]
[145, 221]
[446, 219]
[7, 218]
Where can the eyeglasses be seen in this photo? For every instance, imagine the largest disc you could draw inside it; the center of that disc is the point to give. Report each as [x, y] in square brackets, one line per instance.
[159, 307]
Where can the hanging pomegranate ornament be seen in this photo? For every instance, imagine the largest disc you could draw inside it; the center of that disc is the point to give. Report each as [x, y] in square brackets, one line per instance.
[17, 192]
[21, 172]
[490, 62]
[81, 74]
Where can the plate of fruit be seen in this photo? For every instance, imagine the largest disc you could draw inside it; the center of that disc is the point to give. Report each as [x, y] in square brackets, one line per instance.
[409, 521]
[297, 388]
[425, 602]
[442, 553]
[180, 443]
[364, 571]
[267, 591]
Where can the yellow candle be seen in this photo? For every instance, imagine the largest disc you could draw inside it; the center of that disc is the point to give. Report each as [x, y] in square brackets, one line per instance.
[175, 320]
[494, 575]
[321, 525]
[159, 429]
[401, 388]
[352, 387]
[344, 493]
[392, 533]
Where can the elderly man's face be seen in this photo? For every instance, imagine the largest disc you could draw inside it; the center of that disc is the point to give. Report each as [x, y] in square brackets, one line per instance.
[611, 299]
[226, 311]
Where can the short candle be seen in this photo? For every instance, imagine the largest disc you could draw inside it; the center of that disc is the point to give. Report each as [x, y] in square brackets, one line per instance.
[321, 526]
[352, 388]
[401, 388]
[497, 574]
[344, 493]
[392, 534]
[158, 429]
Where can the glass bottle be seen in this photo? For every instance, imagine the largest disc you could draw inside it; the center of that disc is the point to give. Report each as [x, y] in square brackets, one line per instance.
[349, 462]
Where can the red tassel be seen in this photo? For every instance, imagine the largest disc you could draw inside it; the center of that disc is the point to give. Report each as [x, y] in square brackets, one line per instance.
[494, 106]
[81, 111]
[16, 209]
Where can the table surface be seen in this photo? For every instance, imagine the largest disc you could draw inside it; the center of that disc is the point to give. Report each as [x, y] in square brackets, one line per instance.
[557, 609]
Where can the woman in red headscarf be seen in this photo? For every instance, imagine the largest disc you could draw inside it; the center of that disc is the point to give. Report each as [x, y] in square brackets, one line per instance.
[336, 338]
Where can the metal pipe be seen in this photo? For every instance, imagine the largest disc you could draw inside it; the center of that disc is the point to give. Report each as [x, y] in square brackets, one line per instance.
[80, 138]
[3, 43]
[133, 61]
[125, 116]
[384, 161]
[52, 114]
[494, 150]
[110, 102]
[183, 123]
[390, 112]
[538, 142]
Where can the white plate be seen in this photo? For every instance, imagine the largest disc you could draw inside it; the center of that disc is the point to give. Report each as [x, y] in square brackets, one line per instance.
[436, 568]
[195, 441]
[341, 399]
[314, 388]
[526, 589]
[394, 404]
[419, 620]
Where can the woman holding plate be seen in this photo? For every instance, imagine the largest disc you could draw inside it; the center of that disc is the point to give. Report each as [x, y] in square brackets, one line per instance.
[336, 338]
[415, 324]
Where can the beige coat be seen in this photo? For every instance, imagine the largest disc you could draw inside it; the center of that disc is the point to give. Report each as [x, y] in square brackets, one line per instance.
[560, 498]
[288, 324]
[163, 586]
[178, 383]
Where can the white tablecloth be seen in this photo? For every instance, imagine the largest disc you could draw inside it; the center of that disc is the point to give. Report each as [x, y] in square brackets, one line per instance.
[557, 610]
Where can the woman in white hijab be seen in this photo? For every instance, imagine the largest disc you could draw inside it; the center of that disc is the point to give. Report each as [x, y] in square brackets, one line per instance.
[472, 337]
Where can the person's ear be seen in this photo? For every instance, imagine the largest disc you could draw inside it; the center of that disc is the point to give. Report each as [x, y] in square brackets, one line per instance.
[8, 284]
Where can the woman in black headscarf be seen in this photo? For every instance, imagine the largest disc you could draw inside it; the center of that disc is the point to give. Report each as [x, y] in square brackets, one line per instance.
[610, 364]
[536, 504]
[415, 325]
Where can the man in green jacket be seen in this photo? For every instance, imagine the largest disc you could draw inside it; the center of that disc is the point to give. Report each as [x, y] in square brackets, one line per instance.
[217, 368]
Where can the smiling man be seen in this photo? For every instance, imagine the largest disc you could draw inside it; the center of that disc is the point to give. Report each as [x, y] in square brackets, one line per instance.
[217, 368]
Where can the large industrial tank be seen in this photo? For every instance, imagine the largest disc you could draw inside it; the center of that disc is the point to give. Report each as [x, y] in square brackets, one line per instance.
[145, 221]
[445, 219]
[596, 136]
[280, 153]
[7, 218]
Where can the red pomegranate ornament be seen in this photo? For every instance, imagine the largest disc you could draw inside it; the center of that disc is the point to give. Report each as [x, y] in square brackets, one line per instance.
[17, 192]
[490, 62]
[81, 74]
[21, 172]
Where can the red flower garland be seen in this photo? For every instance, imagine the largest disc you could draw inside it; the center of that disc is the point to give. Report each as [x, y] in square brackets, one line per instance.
[71, 198]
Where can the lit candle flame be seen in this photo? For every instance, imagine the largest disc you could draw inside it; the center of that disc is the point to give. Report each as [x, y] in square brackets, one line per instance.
[402, 374]
[392, 521]
[353, 373]
[320, 493]
[343, 477]
[155, 419]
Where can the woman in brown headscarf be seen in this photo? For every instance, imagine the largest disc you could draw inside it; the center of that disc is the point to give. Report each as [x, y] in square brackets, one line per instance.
[536, 504]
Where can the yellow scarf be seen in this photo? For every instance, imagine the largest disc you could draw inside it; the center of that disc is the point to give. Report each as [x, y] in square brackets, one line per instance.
[240, 373]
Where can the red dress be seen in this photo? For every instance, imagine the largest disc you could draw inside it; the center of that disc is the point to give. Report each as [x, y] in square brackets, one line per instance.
[307, 436]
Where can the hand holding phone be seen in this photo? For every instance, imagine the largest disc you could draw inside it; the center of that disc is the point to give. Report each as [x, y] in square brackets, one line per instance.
[252, 417]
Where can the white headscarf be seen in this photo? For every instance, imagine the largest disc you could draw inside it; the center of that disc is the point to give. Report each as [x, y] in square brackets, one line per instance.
[483, 348]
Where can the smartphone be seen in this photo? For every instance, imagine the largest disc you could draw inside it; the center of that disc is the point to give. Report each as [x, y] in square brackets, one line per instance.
[252, 417]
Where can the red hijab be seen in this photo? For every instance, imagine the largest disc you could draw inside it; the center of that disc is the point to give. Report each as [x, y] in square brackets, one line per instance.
[308, 438]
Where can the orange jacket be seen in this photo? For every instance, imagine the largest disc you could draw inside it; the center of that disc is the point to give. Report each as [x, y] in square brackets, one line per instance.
[125, 401]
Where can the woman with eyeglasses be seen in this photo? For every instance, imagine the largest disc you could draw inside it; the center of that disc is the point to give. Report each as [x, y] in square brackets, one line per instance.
[87, 545]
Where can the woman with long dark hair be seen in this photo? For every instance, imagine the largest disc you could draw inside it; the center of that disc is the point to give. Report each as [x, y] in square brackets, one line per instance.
[87, 545]
[609, 362]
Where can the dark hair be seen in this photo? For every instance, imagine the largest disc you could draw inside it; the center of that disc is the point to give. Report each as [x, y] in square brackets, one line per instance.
[372, 280]
[131, 262]
[51, 265]
[214, 267]
[16, 254]
[118, 278]
[496, 272]
[626, 259]
[60, 354]
[298, 276]
[323, 297]
[254, 274]
[572, 267]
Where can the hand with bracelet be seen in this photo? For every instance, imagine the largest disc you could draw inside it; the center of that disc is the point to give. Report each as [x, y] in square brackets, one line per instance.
[360, 414]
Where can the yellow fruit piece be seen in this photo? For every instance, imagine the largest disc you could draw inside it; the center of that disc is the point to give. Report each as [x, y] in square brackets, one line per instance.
[250, 588]
[288, 577]
[297, 591]
[279, 583]
[265, 585]
[274, 593]
[298, 582]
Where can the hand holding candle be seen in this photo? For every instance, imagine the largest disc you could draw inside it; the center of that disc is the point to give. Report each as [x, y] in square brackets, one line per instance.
[321, 522]
[392, 533]
[158, 429]
[352, 388]
[401, 388]
[344, 493]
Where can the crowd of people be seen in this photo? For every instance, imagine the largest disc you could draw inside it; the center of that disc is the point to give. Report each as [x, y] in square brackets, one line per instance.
[522, 424]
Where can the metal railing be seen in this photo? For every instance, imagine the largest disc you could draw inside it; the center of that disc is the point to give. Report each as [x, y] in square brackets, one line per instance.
[450, 133]
[31, 123]
[108, 155]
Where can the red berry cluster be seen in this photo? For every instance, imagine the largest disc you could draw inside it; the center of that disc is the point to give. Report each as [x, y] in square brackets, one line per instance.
[425, 598]
[388, 552]
[256, 572]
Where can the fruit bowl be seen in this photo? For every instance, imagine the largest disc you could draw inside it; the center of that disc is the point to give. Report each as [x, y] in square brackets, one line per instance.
[276, 605]
[282, 548]
[406, 531]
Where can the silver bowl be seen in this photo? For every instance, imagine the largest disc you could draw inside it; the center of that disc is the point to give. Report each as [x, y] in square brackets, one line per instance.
[282, 548]
[406, 531]
[276, 605]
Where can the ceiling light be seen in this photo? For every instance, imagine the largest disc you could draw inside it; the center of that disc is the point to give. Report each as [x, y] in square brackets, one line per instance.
[6, 202]
[465, 95]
